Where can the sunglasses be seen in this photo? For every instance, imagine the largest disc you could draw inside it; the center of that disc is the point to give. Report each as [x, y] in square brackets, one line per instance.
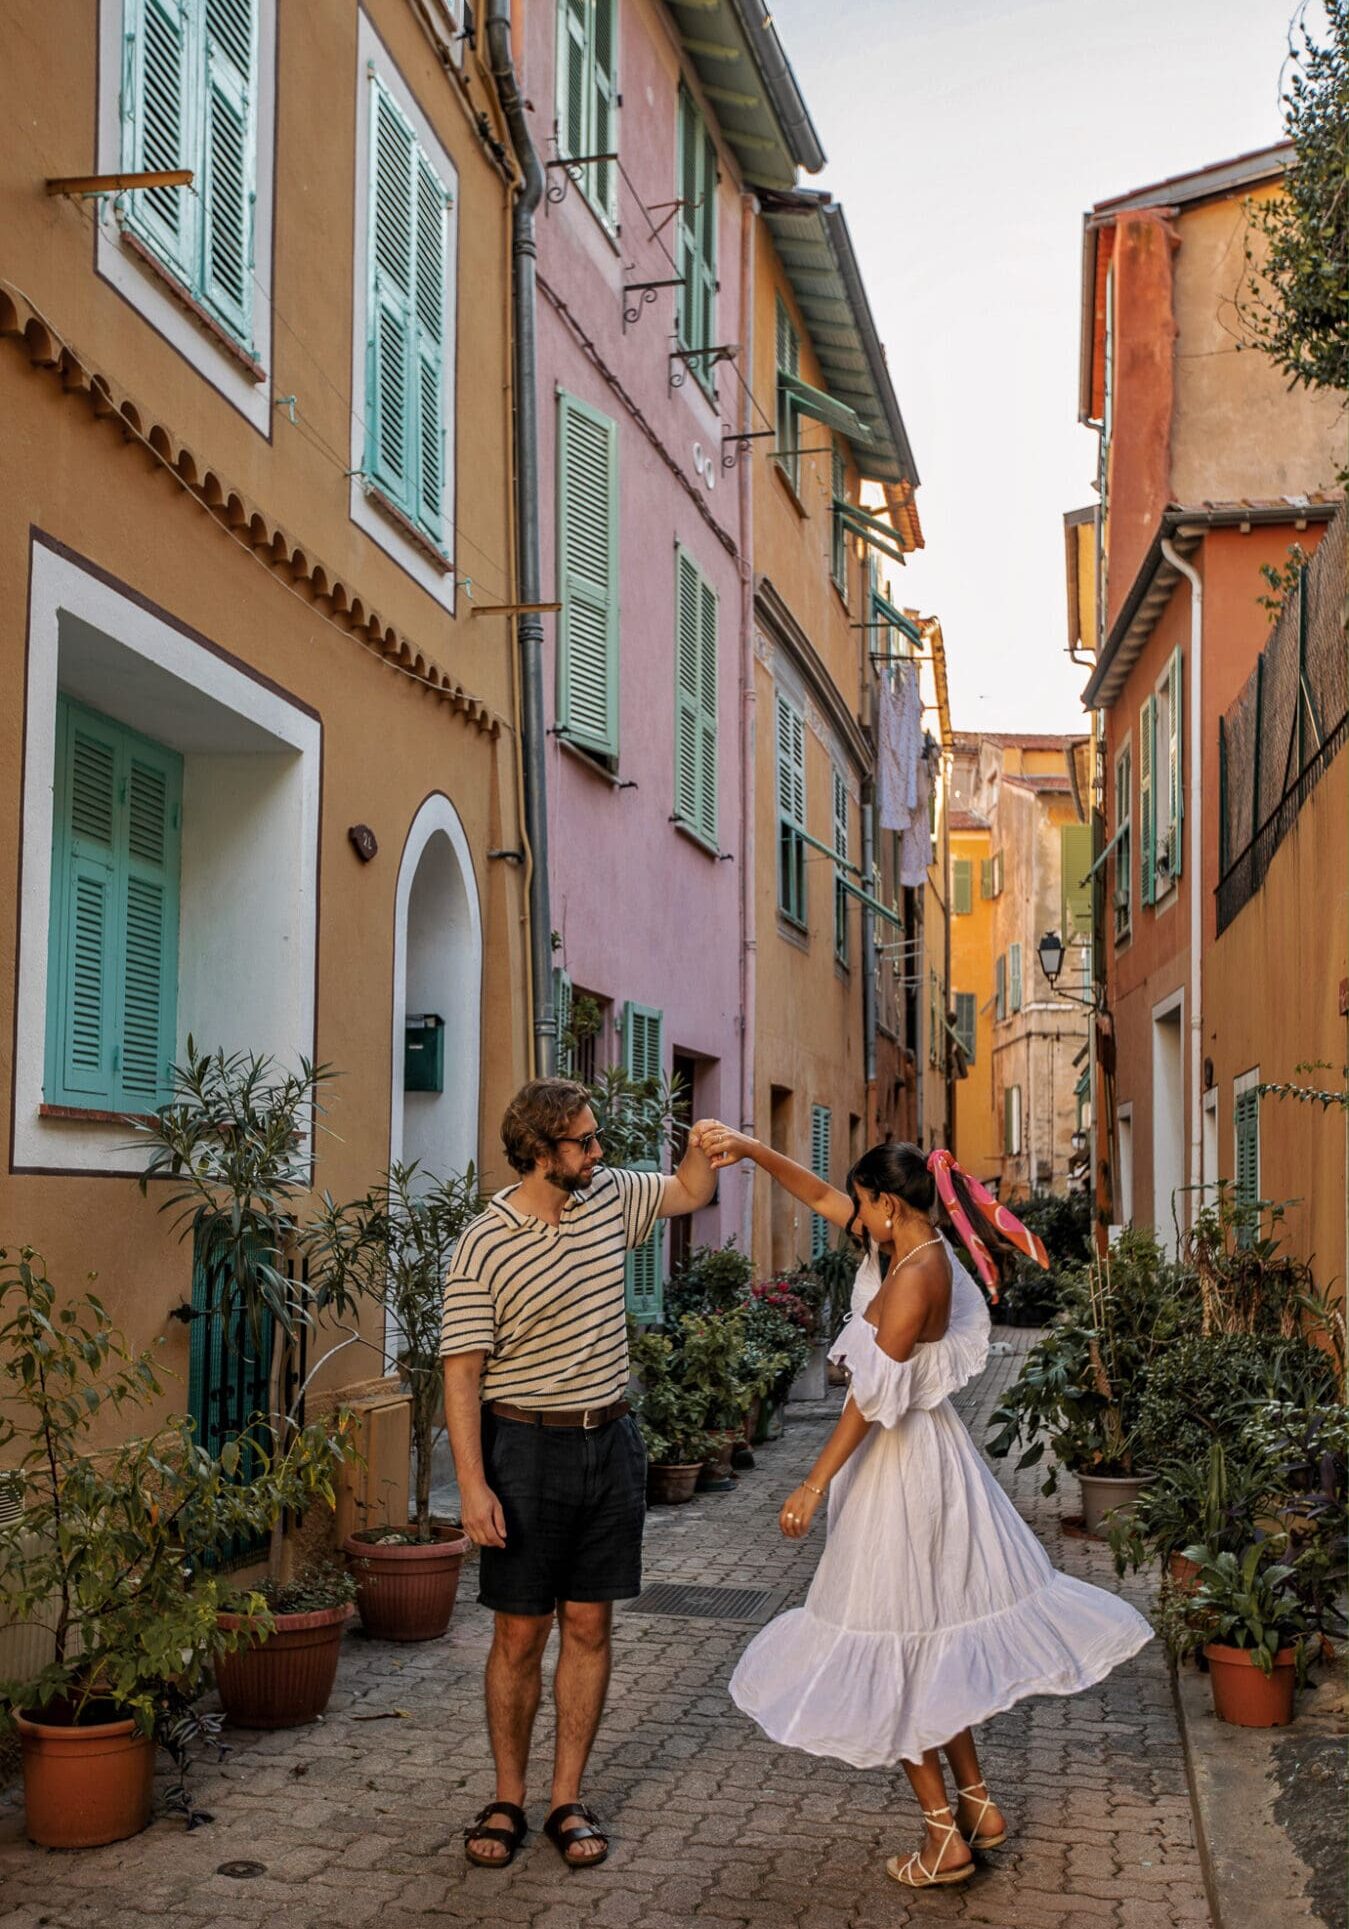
[590, 1139]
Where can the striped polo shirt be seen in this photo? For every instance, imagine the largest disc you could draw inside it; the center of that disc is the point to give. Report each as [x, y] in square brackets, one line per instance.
[546, 1303]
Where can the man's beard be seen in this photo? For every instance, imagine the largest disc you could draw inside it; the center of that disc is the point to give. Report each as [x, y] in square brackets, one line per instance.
[568, 1181]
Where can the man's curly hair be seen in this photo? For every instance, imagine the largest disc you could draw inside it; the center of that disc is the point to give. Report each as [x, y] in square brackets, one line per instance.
[539, 1114]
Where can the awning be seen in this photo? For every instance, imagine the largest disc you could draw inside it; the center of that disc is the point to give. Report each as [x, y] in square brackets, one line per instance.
[879, 535]
[834, 415]
[872, 903]
[1098, 862]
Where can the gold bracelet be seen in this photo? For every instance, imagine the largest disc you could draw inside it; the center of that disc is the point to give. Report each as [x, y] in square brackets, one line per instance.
[821, 1491]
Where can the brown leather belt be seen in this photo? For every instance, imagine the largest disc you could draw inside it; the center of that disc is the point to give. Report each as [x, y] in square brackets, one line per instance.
[587, 1418]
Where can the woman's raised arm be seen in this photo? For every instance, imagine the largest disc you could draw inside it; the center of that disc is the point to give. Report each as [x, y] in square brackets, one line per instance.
[724, 1146]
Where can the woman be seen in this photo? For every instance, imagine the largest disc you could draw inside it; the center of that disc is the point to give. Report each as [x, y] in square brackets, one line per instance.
[934, 1606]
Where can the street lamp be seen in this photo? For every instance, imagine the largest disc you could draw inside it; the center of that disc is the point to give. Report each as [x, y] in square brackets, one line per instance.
[1051, 956]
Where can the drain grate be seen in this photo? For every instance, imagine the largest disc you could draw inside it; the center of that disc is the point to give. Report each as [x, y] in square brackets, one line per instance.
[752, 1604]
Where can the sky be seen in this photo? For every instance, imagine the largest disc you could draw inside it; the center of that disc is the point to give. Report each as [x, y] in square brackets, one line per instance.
[966, 139]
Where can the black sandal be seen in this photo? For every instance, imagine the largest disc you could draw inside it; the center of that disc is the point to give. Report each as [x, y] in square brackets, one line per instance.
[511, 1837]
[563, 1840]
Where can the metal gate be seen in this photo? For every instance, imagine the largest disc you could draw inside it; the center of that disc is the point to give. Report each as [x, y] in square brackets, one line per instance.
[229, 1369]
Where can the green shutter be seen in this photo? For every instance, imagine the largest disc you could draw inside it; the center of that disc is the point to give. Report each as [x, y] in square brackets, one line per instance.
[604, 107]
[838, 529]
[405, 347]
[587, 96]
[788, 349]
[695, 699]
[1014, 977]
[562, 1016]
[696, 234]
[821, 1136]
[967, 1021]
[1247, 1124]
[1000, 986]
[1124, 845]
[962, 887]
[573, 42]
[1147, 800]
[1175, 763]
[228, 190]
[1075, 860]
[159, 126]
[791, 788]
[113, 956]
[841, 852]
[986, 877]
[587, 699]
[643, 1034]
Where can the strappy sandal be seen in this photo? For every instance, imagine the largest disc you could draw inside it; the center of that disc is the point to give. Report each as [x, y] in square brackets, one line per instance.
[972, 1836]
[564, 1840]
[511, 1838]
[938, 1878]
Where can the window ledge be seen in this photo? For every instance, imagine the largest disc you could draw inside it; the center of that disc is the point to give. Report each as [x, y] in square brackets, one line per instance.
[842, 596]
[590, 760]
[694, 836]
[789, 490]
[419, 539]
[82, 1115]
[188, 301]
[794, 933]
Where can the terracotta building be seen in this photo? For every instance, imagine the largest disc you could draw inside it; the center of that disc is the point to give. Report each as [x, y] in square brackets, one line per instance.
[1220, 789]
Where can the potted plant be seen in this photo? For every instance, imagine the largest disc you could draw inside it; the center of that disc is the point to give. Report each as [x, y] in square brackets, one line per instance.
[110, 1555]
[1255, 1633]
[708, 1350]
[1080, 1390]
[280, 1670]
[236, 1142]
[671, 1419]
[394, 1247]
[1214, 1500]
[780, 1320]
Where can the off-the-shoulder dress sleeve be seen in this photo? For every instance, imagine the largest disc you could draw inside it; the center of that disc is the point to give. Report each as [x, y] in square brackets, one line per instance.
[882, 1389]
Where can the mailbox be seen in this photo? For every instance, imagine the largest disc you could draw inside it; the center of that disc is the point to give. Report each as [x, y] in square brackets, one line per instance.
[424, 1053]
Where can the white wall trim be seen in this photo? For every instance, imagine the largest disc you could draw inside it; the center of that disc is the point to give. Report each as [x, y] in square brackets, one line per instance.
[366, 513]
[197, 691]
[140, 285]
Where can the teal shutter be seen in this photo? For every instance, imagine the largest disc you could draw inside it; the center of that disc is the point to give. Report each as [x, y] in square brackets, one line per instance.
[159, 126]
[1175, 761]
[1000, 984]
[1147, 799]
[838, 532]
[587, 701]
[1014, 977]
[113, 962]
[791, 784]
[587, 96]
[695, 699]
[643, 1034]
[604, 112]
[967, 1019]
[841, 852]
[788, 349]
[566, 1051]
[962, 887]
[228, 146]
[1124, 843]
[405, 348]
[821, 1135]
[1247, 1123]
[696, 233]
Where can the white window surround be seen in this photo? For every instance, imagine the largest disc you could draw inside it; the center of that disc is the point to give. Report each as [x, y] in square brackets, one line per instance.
[251, 789]
[145, 288]
[1209, 1148]
[1161, 781]
[1124, 1203]
[382, 525]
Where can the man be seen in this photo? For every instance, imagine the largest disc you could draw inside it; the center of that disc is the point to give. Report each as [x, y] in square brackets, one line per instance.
[550, 1463]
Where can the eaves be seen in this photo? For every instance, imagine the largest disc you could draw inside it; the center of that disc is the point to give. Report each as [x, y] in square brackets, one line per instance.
[788, 633]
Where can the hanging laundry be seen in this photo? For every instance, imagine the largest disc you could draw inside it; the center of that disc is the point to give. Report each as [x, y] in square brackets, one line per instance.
[899, 747]
[915, 841]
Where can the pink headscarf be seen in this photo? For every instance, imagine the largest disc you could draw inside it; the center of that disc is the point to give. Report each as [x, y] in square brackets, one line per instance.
[941, 1165]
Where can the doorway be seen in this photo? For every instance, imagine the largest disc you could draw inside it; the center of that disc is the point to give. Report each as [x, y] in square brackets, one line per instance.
[1168, 1123]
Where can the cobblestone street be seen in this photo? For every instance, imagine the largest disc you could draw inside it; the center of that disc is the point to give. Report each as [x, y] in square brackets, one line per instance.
[359, 1819]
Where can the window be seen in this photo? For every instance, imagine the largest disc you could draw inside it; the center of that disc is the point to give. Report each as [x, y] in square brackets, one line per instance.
[696, 238]
[566, 1043]
[1246, 1122]
[1123, 894]
[936, 1029]
[406, 316]
[587, 99]
[189, 100]
[838, 532]
[1014, 977]
[1000, 986]
[644, 1057]
[821, 1133]
[695, 700]
[1169, 800]
[112, 978]
[1147, 801]
[967, 1020]
[840, 882]
[791, 774]
[788, 363]
[1011, 1121]
[587, 576]
[1124, 1199]
[990, 876]
[962, 887]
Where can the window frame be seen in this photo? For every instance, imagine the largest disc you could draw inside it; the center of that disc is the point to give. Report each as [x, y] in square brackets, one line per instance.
[1122, 857]
[602, 204]
[842, 947]
[792, 904]
[696, 238]
[603, 743]
[696, 700]
[838, 532]
[967, 1023]
[962, 873]
[786, 453]
[645, 1302]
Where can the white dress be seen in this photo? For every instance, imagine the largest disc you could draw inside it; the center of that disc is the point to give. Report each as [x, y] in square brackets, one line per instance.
[933, 1606]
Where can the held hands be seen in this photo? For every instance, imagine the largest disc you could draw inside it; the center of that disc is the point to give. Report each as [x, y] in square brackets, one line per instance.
[720, 1144]
[481, 1516]
[798, 1510]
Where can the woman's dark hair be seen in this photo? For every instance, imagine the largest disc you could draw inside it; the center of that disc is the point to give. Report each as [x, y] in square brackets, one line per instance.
[901, 1170]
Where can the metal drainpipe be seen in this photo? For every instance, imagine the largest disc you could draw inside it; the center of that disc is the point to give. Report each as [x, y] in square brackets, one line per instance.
[869, 961]
[529, 627]
[748, 729]
[1195, 805]
[947, 1000]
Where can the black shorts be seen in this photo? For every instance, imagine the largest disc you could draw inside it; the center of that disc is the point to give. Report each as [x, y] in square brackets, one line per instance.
[575, 1505]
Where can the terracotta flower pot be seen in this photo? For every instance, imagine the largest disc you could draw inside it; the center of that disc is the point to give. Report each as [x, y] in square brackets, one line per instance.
[285, 1680]
[669, 1486]
[1184, 1573]
[1245, 1696]
[406, 1591]
[84, 1783]
[715, 1476]
[1102, 1493]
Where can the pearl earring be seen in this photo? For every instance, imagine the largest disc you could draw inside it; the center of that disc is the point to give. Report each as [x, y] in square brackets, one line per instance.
[888, 1224]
